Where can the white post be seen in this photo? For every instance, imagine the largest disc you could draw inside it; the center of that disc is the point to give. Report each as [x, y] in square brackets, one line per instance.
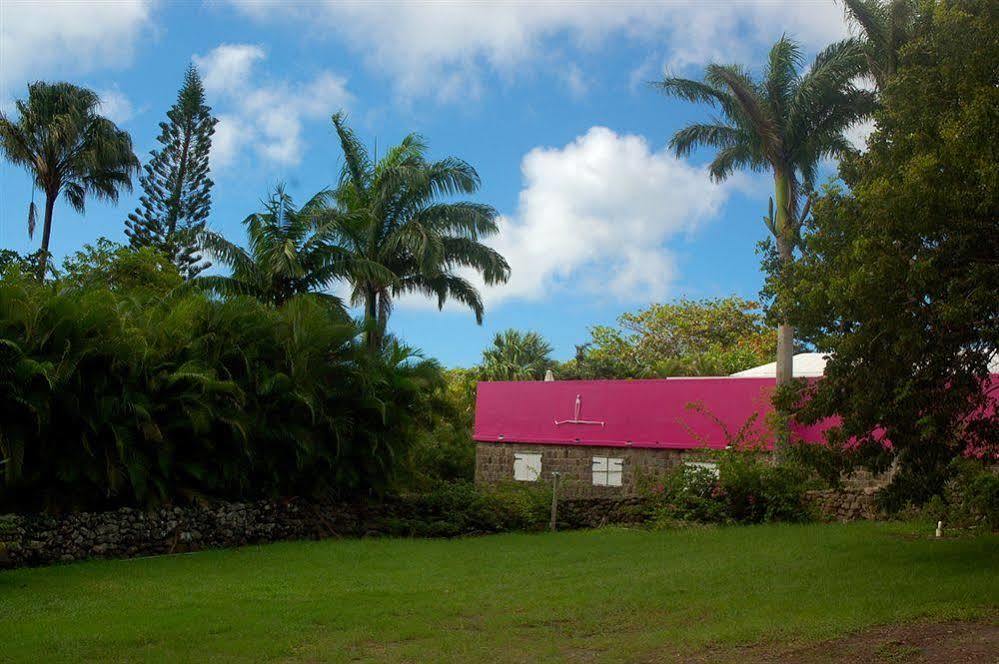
[554, 519]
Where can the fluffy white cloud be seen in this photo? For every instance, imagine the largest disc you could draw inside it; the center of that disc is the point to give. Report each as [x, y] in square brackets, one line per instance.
[441, 48]
[596, 216]
[266, 116]
[226, 68]
[39, 39]
[116, 106]
[231, 134]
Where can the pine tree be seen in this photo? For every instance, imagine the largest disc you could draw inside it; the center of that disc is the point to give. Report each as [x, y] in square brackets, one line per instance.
[176, 188]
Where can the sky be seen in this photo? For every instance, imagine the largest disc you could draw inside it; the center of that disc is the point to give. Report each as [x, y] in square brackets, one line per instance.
[549, 101]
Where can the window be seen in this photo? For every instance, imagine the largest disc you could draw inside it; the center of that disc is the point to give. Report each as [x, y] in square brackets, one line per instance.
[526, 467]
[705, 465]
[607, 471]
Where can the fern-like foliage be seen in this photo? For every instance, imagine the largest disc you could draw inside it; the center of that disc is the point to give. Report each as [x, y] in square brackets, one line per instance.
[124, 397]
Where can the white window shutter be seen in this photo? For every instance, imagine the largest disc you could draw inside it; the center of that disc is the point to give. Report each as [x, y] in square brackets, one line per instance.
[615, 472]
[599, 471]
[526, 467]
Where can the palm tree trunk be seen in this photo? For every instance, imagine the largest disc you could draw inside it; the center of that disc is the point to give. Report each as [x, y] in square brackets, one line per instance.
[783, 226]
[371, 319]
[43, 264]
[785, 332]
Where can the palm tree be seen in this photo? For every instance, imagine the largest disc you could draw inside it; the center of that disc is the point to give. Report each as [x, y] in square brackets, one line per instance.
[785, 123]
[516, 355]
[59, 137]
[291, 253]
[886, 25]
[392, 213]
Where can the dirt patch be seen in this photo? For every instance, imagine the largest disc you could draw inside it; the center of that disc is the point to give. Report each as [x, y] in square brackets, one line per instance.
[912, 643]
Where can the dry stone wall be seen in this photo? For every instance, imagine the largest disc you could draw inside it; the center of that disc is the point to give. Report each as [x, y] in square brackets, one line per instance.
[31, 540]
[846, 504]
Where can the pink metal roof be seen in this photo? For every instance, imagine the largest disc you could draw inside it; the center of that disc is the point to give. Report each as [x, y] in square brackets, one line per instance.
[620, 413]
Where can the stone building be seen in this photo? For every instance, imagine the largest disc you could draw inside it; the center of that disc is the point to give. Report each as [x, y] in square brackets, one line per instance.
[605, 438]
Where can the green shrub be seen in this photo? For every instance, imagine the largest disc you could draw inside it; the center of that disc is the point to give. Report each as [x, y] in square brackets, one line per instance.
[131, 396]
[691, 494]
[971, 496]
[443, 450]
[451, 509]
[748, 488]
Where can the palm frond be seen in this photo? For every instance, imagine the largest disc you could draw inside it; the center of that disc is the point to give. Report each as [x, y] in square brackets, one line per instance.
[697, 135]
[752, 105]
[357, 164]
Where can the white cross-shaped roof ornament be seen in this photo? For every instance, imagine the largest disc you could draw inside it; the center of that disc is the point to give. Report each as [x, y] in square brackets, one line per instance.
[575, 415]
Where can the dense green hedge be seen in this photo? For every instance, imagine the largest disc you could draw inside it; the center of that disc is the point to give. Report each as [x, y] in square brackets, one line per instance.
[139, 396]
[747, 488]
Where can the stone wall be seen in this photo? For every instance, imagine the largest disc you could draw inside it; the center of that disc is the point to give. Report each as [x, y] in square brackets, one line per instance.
[31, 540]
[41, 539]
[494, 464]
[846, 504]
[856, 498]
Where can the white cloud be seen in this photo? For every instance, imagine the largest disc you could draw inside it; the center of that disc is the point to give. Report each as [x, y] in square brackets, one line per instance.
[230, 136]
[226, 68]
[41, 39]
[116, 106]
[596, 216]
[266, 116]
[575, 81]
[440, 49]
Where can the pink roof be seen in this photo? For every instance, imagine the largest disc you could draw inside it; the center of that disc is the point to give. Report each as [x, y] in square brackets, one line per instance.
[620, 413]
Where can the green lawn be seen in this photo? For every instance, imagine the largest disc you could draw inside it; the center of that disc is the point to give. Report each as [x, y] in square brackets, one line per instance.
[614, 594]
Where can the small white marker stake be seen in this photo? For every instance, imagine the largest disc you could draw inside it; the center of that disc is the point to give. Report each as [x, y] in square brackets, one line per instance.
[939, 528]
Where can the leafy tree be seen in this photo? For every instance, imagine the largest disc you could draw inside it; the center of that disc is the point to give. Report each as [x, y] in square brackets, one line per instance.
[683, 338]
[13, 262]
[886, 26]
[68, 148]
[900, 273]
[176, 188]
[110, 265]
[395, 213]
[444, 449]
[786, 122]
[292, 251]
[516, 355]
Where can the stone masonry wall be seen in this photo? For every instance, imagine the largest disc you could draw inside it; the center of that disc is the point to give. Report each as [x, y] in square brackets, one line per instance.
[856, 499]
[494, 465]
[845, 504]
[37, 539]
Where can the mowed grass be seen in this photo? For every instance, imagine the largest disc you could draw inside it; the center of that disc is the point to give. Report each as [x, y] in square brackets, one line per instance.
[611, 594]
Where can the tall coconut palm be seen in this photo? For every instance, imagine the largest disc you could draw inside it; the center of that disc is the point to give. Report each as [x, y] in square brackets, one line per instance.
[291, 252]
[784, 123]
[886, 26]
[396, 213]
[60, 138]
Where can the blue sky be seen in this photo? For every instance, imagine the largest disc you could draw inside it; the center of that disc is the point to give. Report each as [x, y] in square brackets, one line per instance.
[546, 99]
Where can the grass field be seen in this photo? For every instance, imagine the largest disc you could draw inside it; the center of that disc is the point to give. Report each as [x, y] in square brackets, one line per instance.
[612, 595]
